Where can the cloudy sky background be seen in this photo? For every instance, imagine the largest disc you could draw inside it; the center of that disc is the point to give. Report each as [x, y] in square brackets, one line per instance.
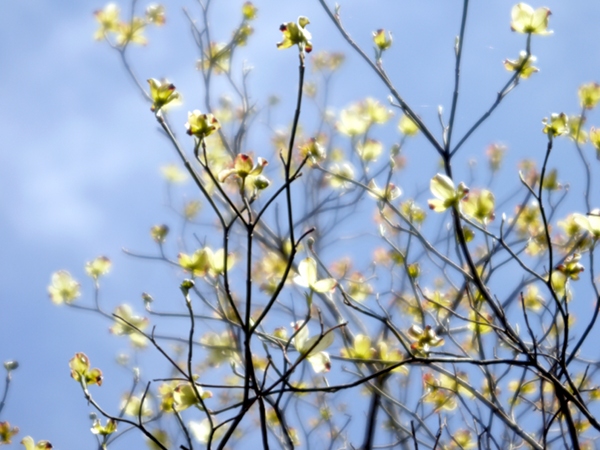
[80, 156]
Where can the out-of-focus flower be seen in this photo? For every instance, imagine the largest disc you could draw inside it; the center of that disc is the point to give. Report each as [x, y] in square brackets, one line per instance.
[369, 150]
[155, 14]
[243, 33]
[589, 95]
[313, 150]
[374, 111]
[495, 154]
[123, 325]
[571, 266]
[295, 33]
[63, 288]
[191, 209]
[590, 223]
[480, 205]
[527, 20]
[201, 430]
[326, 61]
[221, 348]
[159, 233]
[131, 32]
[162, 92]
[132, 406]
[108, 19]
[98, 267]
[358, 287]
[532, 298]
[340, 175]
[595, 140]
[391, 191]
[361, 348]
[249, 11]
[576, 131]
[7, 432]
[178, 396]
[413, 212]
[216, 58]
[407, 126]
[524, 65]
[161, 436]
[439, 393]
[173, 174]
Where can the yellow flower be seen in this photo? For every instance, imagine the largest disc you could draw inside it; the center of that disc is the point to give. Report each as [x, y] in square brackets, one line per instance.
[313, 347]
[179, 396]
[108, 19]
[525, 67]
[249, 11]
[162, 93]
[589, 95]
[29, 444]
[98, 267]
[480, 206]
[407, 126]
[6, 432]
[382, 41]
[442, 187]
[340, 175]
[424, 339]
[313, 150]
[557, 124]
[63, 288]
[590, 223]
[155, 14]
[595, 140]
[307, 277]
[173, 174]
[369, 150]
[132, 405]
[159, 233]
[571, 267]
[361, 349]
[217, 57]
[122, 325]
[532, 298]
[221, 348]
[243, 166]
[495, 154]
[576, 131]
[295, 33]
[104, 430]
[527, 20]
[391, 191]
[80, 370]
[131, 32]
[326, 61]
[201, 125]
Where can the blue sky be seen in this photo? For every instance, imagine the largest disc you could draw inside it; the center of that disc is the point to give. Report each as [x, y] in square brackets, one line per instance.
[80, 157]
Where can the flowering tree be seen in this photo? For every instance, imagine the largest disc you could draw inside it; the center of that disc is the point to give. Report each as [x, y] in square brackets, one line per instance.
[441, 326]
